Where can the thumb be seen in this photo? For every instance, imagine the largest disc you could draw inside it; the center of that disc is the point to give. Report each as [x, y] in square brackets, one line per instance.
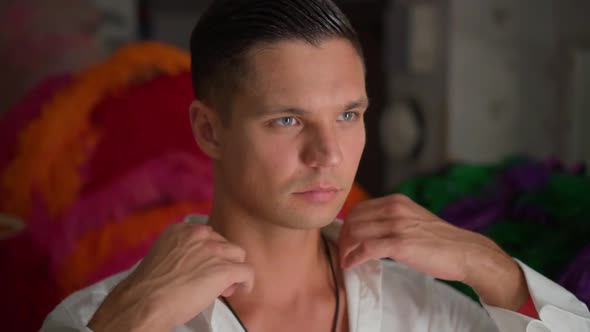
[241, 277]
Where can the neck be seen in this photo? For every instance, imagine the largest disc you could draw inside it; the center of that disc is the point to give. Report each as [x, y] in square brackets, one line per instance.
[289, 263]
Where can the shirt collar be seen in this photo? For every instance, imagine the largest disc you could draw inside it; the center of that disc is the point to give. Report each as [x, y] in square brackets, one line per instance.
[363, 292]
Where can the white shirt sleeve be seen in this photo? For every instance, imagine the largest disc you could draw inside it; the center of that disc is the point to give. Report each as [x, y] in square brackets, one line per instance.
[74, 313]
[414, 301]
[61, 320]
[418, 302]
[558, 309]
[457, 312]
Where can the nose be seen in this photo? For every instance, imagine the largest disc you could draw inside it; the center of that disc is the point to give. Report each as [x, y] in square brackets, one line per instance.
[322, 147]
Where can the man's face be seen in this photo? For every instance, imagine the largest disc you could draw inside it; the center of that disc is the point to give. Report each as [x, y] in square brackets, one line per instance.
[291, 150]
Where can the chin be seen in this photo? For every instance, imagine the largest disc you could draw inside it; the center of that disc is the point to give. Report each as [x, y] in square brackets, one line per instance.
[310, 217]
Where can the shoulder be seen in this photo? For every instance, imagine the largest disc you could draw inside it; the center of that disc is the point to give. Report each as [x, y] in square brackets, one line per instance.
[398, 275]
[402, 282]
[412, 296]
[423, 289]
[79, 307]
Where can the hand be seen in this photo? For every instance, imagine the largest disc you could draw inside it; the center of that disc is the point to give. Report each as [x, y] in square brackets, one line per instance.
[395, 227]
[187, 268]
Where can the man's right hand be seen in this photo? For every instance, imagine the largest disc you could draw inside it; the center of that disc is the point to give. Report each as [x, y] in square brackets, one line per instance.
[187, 268]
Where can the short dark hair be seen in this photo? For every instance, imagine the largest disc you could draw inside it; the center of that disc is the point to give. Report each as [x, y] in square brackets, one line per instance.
[229, 29]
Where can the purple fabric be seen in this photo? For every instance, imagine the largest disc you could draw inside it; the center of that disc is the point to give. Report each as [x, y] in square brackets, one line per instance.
[525, 176]
[477, 213]
[473, 213]
[576, 278]
[534, 214]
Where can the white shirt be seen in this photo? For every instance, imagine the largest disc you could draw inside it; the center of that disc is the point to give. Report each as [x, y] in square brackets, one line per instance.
[381, 296]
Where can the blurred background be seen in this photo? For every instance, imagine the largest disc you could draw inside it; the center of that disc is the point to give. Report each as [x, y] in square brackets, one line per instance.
[479, 111]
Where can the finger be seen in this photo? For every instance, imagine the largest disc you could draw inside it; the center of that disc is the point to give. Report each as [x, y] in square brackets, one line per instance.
[368, 205]
[419, 210]
[371, 249]
[201, 231]
[353, 234]
[375, 229]
[226, 250]
[380, 228]
[230, 290]
[391, 206]
[239, 275]
[197, 231]
[344, 251]
[217, 237]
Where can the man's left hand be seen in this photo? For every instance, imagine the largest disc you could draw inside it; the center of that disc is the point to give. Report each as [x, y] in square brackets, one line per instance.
[396, 227]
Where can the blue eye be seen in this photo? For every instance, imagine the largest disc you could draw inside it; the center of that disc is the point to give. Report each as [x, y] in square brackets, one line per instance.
[287, 121]
[348, 116]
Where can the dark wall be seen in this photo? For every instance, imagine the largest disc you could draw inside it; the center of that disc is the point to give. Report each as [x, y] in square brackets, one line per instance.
[367, 18]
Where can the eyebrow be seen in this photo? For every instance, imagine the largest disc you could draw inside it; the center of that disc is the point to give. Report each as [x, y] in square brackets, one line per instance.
[359, 103]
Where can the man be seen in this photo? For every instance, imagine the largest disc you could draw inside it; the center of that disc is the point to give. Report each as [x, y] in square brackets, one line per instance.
[280, 98]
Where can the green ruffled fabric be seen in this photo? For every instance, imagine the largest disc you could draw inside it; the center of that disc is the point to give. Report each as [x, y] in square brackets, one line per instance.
[546, 247]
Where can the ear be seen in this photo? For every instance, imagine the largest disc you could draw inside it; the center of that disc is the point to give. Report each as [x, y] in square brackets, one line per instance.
[206, 128]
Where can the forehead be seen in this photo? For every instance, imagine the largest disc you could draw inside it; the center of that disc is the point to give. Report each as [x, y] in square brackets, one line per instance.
[305, 75]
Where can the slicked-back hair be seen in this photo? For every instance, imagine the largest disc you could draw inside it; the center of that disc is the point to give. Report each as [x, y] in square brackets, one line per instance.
[229, 29]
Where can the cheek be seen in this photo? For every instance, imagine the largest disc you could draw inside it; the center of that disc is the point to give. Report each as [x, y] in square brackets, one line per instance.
[254, 158]
[353, 143]
[278, 164]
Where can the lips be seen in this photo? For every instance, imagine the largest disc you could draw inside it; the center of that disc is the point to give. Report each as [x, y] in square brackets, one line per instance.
[320, 188]
[319, 194]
